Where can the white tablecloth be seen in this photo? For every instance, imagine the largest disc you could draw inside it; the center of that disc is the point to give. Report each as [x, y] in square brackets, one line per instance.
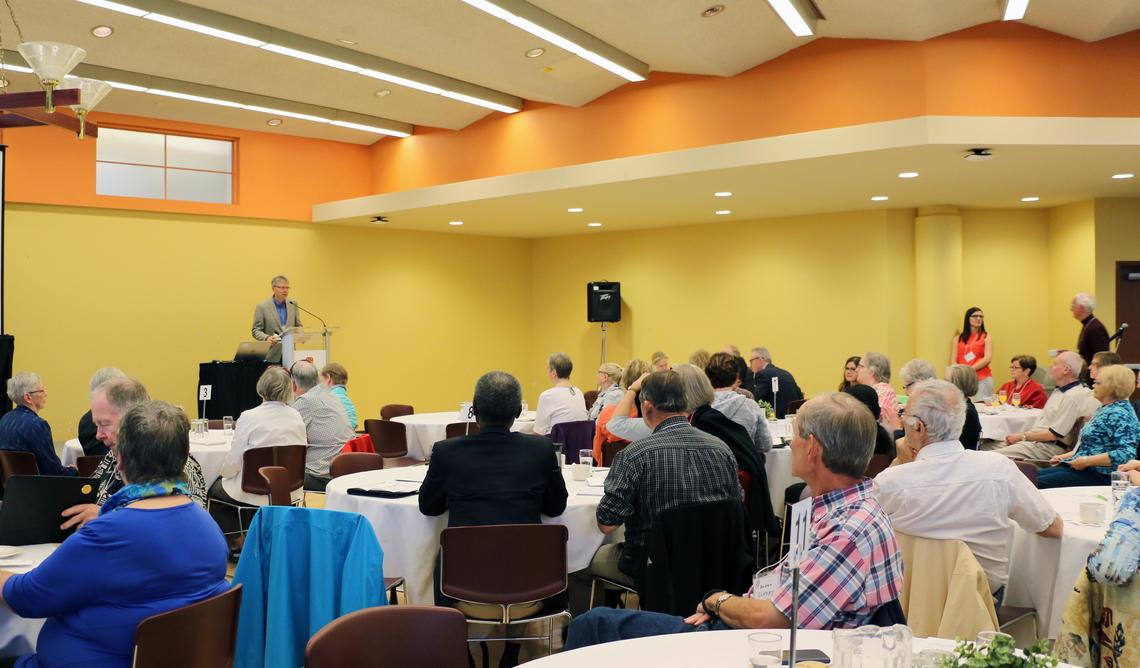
[1043, 570]
[710, 649]
[18, 635]
[1008, 420]
[208, 452]
[410, 540]
[427, 429]
[778, 465]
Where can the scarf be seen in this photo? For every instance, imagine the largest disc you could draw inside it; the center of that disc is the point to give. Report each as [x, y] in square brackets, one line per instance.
[135, 492]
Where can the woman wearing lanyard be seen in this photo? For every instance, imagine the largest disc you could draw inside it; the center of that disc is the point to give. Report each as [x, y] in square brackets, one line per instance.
[974, 347]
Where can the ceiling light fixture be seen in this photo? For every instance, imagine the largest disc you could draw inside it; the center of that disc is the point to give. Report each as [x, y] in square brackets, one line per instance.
[552, 29]
[91, 92]
[392, 78]
[124, 86]
[978, 155]
[575, 209]
[205, 30]
[51, 62]
[1030, 199]
[102, 31]
[345, 41]
[195, 98]
[383, 92]
[908, 175]
[274, 122]
[879, 198]
[479, 102]
[369, 128]
[722, 193]
[535, 52]
[1013, 10]
[712, 11]
[455, 223]
[723, 212]
[290, 114]
[17, 68]
[116, 7]
[1123, 175]
[799, 15]
[593, 224]
[311, 57]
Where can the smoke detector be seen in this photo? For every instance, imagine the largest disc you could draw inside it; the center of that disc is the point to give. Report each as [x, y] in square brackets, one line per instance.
[978, 154]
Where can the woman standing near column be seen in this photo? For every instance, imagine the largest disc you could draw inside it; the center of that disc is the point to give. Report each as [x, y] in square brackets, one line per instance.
[974, 347]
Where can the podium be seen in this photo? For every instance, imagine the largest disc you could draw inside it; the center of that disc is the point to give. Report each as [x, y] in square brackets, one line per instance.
[298, 343]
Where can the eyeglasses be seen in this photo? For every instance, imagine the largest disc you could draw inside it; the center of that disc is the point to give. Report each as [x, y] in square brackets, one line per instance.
[37, 391]
[977, 315]
[753, 359]
[906, 386]
[912, 421]
[851, 368]
[1015, 368]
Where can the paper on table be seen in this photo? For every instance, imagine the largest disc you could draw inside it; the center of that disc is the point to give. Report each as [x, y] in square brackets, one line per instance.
[395, 487]
[591, 491]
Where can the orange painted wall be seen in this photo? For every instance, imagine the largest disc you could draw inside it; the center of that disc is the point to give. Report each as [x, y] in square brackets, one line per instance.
[1005, 69]
[279, 177]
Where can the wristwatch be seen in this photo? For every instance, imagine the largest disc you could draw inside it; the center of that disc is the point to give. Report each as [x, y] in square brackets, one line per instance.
[719, 601]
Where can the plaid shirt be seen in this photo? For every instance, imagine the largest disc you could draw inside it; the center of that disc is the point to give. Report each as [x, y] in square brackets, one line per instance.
[678, 464]
[852, 567]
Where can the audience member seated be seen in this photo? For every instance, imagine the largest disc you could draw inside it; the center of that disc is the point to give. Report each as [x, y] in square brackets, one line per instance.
[746, 379]
[326, 424]
[1117, 560]
[700, 358]
[86, 433]
[722, 373]
[763, 371]
[884, 442]
[1099, 361]
[621, 422]
[561, 403]
[22, 429]
[125, 565]
[109, 403]
[274, 422]
[1029, 392]
[677, 464]
[875, 370]
[659, 361]
[947, 492]
[965, 379]
[850, 374]
[915, 371]
[852, 565]
[609, 392]
[1107, 441]
[1056, 429]
[335, 377]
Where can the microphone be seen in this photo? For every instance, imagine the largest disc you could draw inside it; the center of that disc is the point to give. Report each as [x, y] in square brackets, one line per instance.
[1119, 332]
[323, 324]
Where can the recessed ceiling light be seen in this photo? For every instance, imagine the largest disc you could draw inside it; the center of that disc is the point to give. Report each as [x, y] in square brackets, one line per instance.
[102, 31]
[273, 121]
[908, 175]
[455, 223]
[574, 209]
[879, 198]
[535, 52]
[723, 212]
[1124, 175]
[345, 41]
[712, 11]
[593, 224]
[723, 193]
[383, 92]
[1030, 199]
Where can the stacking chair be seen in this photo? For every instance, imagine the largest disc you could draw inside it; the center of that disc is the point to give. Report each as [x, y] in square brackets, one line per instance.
[610, 450]
[794, 405]
[508, 567]
[461, 429]
[952, 599]
[575, 436]
[354, 462]
[391, 441]
[87, 464]
[200, 635]
[1029, 470]
[17, 462]
[590, 397]
[389, 411]
[411, 636]
[291, 457]
[277, 479]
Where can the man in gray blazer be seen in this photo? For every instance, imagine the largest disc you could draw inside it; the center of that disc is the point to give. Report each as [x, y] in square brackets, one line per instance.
[272, 316]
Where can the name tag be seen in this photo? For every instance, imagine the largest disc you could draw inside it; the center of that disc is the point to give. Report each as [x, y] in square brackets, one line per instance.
[764, 584]
[970, 357]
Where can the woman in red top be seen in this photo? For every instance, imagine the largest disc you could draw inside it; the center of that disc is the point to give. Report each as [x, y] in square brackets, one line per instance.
[974, 347]
[1029, 392]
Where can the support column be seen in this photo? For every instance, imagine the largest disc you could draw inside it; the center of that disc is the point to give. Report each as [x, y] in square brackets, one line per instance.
[937, 282]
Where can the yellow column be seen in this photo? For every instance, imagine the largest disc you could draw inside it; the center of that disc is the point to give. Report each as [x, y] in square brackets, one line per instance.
[937, 283]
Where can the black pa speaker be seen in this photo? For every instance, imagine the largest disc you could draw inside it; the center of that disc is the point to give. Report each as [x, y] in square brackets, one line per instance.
[603, 302]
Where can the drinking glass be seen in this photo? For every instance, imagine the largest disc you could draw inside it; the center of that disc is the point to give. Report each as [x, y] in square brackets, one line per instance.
[872, 647]
[586, 457]
[1015, 399]
[765, 649]
[228, 425]
[1120, 484]
[525, 410]
[986, 637]
[930, 658]
[1002, 397]
[560, 453]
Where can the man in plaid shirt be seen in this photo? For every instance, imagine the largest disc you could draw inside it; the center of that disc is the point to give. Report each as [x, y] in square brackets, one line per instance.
[852, 565]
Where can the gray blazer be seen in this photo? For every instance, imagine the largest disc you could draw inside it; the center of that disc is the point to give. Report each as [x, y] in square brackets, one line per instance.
[266, 324]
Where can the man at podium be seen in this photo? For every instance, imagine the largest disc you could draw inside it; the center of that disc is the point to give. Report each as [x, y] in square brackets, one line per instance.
[272, 316]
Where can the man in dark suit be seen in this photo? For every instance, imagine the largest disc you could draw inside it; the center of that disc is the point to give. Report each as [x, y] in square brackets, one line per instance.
[1094, 336]
[764, 371]
[273, 316]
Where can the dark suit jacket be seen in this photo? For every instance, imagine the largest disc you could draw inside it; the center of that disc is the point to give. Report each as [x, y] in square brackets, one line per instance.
[789, 391]
[86, 435]
[1092, 339]
[760, 511]
[494, 477]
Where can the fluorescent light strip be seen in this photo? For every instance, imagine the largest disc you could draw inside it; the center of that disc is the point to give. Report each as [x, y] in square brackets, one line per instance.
[290, 114]
[116, 7]
[788, 14]
[384, 76]
[369, 128]
[126, 86]
[205, 30]
[487, 104]
[1015, 10]
[195, 98]
[312, 58]
[18, 68]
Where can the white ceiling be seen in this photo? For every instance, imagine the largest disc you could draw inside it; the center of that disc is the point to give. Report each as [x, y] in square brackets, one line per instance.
[450, 38]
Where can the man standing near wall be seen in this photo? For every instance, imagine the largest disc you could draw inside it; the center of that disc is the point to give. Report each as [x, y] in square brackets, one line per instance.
[272, 316]
[1093, 337]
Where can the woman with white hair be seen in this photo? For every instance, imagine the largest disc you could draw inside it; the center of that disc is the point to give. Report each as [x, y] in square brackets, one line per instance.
[875, 370]
[23, 429]
[609, 390]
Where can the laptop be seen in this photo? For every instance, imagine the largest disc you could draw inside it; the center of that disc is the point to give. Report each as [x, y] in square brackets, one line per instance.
[252, 350]
[33, 507]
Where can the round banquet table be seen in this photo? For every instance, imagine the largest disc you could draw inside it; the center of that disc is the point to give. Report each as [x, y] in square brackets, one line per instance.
[1043, 570]
[410, 539]
[997, 423]
[778, 465]
[209, 452]
[17, 634]
[700, 649]
[427, 429]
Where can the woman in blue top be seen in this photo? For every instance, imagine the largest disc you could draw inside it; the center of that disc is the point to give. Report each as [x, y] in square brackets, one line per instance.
[1107, 441]
[335, 377]
[150, 550]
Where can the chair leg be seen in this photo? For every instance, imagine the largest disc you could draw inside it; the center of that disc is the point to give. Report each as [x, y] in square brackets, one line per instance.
[593, 590]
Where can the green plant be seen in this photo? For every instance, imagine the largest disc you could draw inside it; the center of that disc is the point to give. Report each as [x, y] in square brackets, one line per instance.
[769, 412]
[1000, 653]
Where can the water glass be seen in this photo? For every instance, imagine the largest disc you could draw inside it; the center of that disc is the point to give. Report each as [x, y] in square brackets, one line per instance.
[1001, 397]
[765, 649]
[930, 658]
[872, 647]
[586, 457]
[525, 410]
[1015, 399]
[986, 637]
[1120, 484]
[228, 425]
[560, 453]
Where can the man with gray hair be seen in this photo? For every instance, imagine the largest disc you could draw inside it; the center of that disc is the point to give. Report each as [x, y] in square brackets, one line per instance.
[1094, 336]
[945, 492]
[1057, 428]
[273, 316]
[763, 371]
[562, 403]
[92, 446]
[326, 423]
[24, 430]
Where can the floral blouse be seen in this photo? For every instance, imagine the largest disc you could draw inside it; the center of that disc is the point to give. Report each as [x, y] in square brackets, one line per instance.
[1118, 557]
[109, 481]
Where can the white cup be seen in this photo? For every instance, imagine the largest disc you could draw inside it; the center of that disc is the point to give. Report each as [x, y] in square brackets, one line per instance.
[581, 471]
[1092, 512]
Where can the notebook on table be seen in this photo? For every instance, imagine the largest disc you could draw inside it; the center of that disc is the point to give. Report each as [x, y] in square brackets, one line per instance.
[33, 507]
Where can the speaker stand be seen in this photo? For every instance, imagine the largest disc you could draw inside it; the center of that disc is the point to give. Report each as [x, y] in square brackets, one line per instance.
[603, 343]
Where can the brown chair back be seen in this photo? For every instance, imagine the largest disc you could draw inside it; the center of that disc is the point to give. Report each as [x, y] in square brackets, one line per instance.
[355, 462]
[474, 566]
[292, 457]
[877, 465]
[610, 450]
[420, 636]
[87, 464]
[215, 424]
[390, 438]
[389, 411]
[277, 479]
[1029, 470]
[590, 396]
[17, 462]
[794, 406]
[212, 624]
[462, 429]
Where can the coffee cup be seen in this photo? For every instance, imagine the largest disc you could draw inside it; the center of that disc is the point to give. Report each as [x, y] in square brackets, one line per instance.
[1092, 512]
[581, 471]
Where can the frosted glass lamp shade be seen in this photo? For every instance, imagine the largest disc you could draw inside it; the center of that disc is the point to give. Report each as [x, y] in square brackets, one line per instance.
[91, 92]
[51, 61]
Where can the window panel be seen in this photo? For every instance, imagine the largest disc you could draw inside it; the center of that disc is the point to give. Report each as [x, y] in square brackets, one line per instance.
[128, 180]
[198, 186]
[196, 153]
[140, 148]
[159, 166]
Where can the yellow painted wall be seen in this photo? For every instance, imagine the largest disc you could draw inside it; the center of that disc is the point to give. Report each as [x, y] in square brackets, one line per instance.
[1117, 240]
[422, 314]
[1070, 267]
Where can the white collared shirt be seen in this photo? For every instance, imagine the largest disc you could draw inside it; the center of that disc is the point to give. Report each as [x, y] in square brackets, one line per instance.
[950, 493]
[557, 405]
